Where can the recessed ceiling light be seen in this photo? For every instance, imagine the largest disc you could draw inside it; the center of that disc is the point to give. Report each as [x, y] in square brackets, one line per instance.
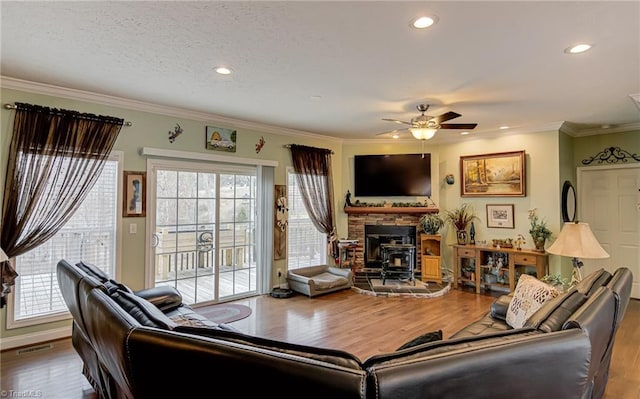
[424, 22]
[315, 98]
[504, 127]
[223, 70]
[464, 133]
[578, 48]
[395, 136]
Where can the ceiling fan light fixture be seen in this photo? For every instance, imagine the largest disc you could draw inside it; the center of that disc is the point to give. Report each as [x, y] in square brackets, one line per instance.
[424, 21]
[423, 133]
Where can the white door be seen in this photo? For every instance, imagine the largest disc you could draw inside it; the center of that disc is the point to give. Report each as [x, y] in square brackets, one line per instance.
[609, 200]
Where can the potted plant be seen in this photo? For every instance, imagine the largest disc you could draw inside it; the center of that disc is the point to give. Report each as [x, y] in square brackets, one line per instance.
[431, 223]
[539, 231]
[555, 280]
[460, 218]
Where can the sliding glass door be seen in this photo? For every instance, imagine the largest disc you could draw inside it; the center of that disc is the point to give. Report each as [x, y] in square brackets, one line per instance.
[204, 228]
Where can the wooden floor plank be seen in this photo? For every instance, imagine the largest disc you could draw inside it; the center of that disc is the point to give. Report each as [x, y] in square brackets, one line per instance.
[360, 324]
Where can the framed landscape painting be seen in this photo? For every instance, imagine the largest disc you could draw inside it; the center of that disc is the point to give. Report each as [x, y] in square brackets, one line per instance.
[493, 175]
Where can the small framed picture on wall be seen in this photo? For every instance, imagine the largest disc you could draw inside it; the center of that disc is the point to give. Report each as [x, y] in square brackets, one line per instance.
[134, 194]
[500, 216]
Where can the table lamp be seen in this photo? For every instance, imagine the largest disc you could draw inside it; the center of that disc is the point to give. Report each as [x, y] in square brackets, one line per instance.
[577, 241]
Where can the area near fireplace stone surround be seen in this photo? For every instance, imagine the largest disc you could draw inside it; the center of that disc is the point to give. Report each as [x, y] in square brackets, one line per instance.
[390, 217]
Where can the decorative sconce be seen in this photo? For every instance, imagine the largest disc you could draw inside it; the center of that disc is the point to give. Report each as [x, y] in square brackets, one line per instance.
[449, 179]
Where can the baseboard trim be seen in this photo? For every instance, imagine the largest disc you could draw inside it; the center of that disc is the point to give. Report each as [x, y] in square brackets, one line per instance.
[34, 338]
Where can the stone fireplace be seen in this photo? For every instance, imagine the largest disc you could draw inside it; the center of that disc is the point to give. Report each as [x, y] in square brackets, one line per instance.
[377, 234]
[383, 225]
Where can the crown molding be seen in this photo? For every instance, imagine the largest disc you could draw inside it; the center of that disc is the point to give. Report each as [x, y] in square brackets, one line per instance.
[103, 99]
[574, 131]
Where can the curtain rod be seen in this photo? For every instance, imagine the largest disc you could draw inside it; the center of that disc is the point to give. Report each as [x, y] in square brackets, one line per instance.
[13, 106]
[289, 146]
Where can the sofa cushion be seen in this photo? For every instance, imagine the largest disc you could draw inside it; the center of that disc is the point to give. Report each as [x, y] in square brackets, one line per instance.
[554, 313]
[143, 311]
[333, 356]
[530, 294]
[423, 339]
[483, 326]
[164, 297]
[94, 271]
[593, 281]
[500, 306]
[325, 281]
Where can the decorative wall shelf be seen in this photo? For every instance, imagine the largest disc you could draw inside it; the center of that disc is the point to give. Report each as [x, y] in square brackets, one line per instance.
[392, 209]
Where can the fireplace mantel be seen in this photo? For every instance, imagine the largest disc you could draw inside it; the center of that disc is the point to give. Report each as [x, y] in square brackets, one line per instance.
[390, 209]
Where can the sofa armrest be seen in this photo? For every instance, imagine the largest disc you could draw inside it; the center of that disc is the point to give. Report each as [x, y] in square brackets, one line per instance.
[500, 306]
[164, 297]
[340, 272]
[298, 277]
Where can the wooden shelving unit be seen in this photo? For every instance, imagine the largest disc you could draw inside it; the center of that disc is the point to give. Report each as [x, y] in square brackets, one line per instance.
[431, 269]
[514, 262]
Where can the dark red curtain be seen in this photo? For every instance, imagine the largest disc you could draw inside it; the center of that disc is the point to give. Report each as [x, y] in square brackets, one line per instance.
[313, 174]
[55, 158]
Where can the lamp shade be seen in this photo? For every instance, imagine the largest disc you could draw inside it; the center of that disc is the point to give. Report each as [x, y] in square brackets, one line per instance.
[3, 256]
[576, 240]
[423, 133]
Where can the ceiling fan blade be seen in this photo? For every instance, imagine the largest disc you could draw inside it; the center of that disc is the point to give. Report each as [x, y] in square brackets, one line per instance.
[445, 117]
[396, 121]
[458, 125]
[390, 132]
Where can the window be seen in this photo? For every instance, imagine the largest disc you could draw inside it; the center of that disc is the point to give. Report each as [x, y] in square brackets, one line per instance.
[306, 246]
[90, 235]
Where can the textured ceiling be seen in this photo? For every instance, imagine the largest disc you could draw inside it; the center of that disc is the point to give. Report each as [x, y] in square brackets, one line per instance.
[496, 63]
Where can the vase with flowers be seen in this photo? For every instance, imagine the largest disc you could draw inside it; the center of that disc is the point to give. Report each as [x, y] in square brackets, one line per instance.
[460, 218]
[539, 231]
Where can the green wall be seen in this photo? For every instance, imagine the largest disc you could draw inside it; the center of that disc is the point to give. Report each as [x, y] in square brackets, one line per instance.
[585, 148]
[151, 130]
[551, 159]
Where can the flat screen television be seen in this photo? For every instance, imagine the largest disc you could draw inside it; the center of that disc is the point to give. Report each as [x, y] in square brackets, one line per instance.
[397, 175]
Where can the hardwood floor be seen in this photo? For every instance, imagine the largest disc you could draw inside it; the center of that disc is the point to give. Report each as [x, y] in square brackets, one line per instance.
[360, 324]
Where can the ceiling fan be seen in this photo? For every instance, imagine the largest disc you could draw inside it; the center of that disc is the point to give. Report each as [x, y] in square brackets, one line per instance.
[424, 127]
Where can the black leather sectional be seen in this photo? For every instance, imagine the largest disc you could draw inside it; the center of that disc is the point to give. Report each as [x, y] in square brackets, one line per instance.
[133, 347]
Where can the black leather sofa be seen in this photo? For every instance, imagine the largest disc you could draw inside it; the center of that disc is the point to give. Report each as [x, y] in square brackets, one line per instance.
[132, 349]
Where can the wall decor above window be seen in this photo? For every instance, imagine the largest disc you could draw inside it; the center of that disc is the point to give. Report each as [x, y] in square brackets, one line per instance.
[493, 175]
[220, 139]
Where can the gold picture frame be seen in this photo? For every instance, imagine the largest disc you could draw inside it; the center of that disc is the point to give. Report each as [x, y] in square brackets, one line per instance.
[500, 216]
[499, 174]
[134, 194]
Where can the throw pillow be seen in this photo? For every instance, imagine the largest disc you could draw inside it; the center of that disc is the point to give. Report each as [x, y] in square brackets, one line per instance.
[528, 297]
[423, 339]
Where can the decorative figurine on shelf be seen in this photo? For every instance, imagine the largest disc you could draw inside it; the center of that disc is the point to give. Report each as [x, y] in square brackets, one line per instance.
[472, 234]
[347, 199]
[490, 261]
[520, 241]
[495, 270]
